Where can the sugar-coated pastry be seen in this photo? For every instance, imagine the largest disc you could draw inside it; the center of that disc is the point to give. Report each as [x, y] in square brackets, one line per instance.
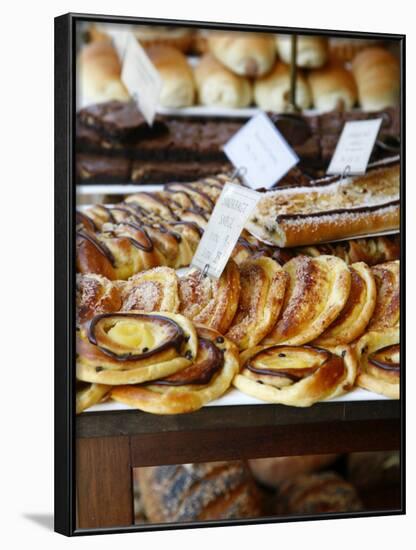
[134, 347]
[219, 86]
[95, 294]
[263, 285]
[298, 376]
[359, 307]
[378, 353]
[209, 302]
[317, 291]
[312, 51]
[199, 492]
[387, 311]
[245, 54]
[271, 92]
[208, 376]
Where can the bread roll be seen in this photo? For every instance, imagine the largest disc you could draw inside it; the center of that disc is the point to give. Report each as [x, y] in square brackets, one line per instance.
[178, 87]
[377, 73]
[245, 54]
[217, 85]
[180, 38]
[345, 49]
[271, 92]
[99, 74]
[332, 87]
[312, 51]
[198, 492]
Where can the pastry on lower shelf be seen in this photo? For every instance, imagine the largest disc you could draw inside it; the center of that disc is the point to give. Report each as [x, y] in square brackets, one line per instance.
[359, 307]
[338, 208]
[210, 302]
[317, 291]
[296, 375]
[263, 285]
[378, 354]
[317, 493]
[152, 290]
[134, 347]
[88, 395]
[94, 295]
[207, 378]
[387, 310]
[198, 492]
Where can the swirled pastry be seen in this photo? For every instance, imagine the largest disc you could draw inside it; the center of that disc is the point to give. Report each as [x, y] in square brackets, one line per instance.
[359, 307]
[378, 354]
[88, 395]
[206, 379]
[263, 284]
[95, 294]
[209, 302]
[387, 310]
[152, 290]
[295, 375]
[317, 291]
[133, 347]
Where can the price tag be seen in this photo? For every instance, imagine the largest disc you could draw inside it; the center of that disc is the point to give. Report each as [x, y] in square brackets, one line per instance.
[139, 75]
[262, 150]
[233, 207]
[354, 147]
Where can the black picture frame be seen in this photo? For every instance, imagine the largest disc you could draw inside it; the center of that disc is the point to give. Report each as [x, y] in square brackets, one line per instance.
[65, 424]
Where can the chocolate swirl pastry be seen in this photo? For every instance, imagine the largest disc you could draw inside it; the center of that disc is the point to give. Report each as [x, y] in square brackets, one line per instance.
[263, 285]
[317, 291]
[317, 493]
[207, 378]
[295, 375]
[359, 307]
[378, 354]
[134, 347]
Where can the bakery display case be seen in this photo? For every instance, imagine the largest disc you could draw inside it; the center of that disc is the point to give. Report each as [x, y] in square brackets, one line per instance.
[273, 391]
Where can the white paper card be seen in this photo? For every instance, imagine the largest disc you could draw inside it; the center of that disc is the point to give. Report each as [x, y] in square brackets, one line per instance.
[262, 150]
[232, 209]
[140, 77]
[354, 147]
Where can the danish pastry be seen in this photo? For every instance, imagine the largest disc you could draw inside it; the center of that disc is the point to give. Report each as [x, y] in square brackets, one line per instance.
[359, 307]
[152, 290]
[295, 375]
[263, 284]
[387, 310]
[317, 291]
[209, 302]
[95, 294]
[378, 354]
[205, 379]
[133, 347]
[88, 395]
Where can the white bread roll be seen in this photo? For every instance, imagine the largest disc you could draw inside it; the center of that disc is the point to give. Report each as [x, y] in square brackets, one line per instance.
[271, 92]
[245, 54]
[332, 87]
[99, 74]
[312, 51]
[180, 38]
[377, 73]
[178, 87]
[217, 85]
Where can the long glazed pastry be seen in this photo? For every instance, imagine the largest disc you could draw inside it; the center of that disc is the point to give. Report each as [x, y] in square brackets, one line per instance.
[350, 206]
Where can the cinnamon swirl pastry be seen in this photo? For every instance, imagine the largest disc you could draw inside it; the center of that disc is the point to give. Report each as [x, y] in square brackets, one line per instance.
[317, 291]
[359, 307]
[88, 395]
[152, 290]
[134, 347]
[387, 310]
[95, 294]
[378, 354]
[209, 302]
[295, 375]
[263, 284]
[205, 379]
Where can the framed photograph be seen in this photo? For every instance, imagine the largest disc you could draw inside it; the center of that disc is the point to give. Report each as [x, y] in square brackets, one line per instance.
[229, 240]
